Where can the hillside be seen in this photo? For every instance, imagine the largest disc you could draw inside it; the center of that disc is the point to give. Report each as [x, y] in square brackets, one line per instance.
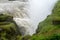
[8, 28]
[49, 29]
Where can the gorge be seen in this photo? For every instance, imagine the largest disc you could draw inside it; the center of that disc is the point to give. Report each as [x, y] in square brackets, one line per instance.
[28, 15]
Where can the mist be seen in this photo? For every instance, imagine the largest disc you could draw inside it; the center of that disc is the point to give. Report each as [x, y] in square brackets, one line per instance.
[28, 15]
[39, 10]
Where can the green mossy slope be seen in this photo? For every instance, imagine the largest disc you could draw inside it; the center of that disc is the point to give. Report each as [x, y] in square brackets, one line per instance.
[8, 28]
[49, 29]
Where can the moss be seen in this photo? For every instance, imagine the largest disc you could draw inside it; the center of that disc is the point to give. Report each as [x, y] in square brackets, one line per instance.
[49, 29]
[5, 18]
[8, 28]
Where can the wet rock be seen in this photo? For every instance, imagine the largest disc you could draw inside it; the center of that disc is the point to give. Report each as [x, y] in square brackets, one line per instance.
[56, 22]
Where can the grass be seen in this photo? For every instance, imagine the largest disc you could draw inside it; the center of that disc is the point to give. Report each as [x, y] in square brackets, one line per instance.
[8, 28]
[49, 29]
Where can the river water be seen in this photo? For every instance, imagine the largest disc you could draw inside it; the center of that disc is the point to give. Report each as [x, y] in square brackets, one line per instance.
[28, 15]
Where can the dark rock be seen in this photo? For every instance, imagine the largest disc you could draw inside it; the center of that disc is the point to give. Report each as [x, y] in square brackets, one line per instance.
[56, 22]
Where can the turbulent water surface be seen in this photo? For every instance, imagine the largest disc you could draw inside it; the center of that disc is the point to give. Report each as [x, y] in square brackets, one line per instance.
[39, 10]
[27, 15]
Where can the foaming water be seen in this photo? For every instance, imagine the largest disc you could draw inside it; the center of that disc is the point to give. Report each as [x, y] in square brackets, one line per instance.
[27, 15]
[39, 10]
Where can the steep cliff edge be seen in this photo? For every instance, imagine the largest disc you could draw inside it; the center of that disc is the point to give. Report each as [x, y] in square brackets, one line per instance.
[8, 28]
[49, 29]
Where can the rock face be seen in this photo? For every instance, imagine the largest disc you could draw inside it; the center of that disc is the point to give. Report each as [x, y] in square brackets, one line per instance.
[8, 28]
[47, 30]
[19, 12]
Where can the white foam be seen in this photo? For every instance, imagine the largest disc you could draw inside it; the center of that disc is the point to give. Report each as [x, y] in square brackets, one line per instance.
[27, 15]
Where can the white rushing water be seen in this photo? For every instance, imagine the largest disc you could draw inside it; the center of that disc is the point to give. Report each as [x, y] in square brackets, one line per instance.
[39, 10]
[27, 15]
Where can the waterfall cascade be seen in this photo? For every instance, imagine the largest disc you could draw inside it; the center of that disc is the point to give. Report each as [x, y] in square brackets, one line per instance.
[18, 10]
[27, 15]
[39, 10]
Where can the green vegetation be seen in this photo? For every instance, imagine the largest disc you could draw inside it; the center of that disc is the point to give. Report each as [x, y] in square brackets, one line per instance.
[8, 28]
[49, 29]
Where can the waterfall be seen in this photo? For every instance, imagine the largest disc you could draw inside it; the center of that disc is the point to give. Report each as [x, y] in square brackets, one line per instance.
[18, 10]
[27, 15]
[39, 10]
